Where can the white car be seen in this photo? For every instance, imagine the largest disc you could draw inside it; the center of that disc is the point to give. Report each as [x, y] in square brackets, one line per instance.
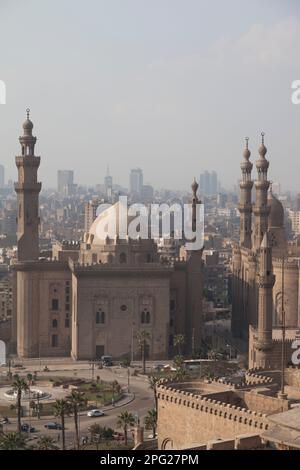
[95, 413]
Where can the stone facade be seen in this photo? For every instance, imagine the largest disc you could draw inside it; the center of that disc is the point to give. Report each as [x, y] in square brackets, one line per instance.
[92, 298]
[211, 412]
[257, 300]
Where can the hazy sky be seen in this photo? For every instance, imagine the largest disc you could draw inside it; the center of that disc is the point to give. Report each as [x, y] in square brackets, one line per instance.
[171, 86]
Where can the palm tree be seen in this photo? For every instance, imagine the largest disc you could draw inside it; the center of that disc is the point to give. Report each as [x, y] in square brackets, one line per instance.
[61, 408]
[76, 400]
[46, 443]
[125, 419]
[12, 441]
[19, 385]
[143, 338]
[178, 341]
[151, 421]
[29, 379]
[153, 381]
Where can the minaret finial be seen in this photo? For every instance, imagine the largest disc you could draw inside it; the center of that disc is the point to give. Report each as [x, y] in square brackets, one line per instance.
[247, 142]
[263, 138]
[28, 112]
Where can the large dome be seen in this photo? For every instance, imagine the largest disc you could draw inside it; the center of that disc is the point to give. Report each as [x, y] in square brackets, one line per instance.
[276, 217]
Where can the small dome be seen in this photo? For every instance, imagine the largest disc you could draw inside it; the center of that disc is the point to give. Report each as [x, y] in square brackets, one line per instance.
[246, 154]
[276, 216]
[28, 125]
[262, 150]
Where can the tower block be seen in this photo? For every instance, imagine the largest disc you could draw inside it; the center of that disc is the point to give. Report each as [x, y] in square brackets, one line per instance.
[27, 189]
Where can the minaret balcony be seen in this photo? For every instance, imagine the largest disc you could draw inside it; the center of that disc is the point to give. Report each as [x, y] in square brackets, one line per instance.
[245, 207]
[266, 280]
[246, 184]
[33, 187]
[261, 210]
[262, 184]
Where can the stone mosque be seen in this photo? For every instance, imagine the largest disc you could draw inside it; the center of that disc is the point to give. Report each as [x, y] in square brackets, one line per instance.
[92, 298]
[266, 273]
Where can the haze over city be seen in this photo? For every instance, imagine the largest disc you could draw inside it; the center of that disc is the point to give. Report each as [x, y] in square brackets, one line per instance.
[169, 86]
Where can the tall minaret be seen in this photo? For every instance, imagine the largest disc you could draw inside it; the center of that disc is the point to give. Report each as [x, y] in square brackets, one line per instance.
[266, 280]
[27, 189]
[245, 206]
[194, 283]
[195, 202]
[261, 208]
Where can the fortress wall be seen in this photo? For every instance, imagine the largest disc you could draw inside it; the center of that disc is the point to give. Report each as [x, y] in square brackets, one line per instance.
[185, 418]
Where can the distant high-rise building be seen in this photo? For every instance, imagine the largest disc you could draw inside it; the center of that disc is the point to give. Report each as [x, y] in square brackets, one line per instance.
[2, 176]
[65, 181]
[108, 183]
[208, 183]
[136, 181]
[147, 193]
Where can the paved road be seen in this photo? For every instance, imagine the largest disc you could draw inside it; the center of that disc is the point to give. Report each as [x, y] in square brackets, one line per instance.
[143, 401]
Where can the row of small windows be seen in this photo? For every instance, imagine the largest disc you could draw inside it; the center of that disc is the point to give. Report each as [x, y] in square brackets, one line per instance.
[122, 258]
[55, 305]
[101, 317]
[55, 323]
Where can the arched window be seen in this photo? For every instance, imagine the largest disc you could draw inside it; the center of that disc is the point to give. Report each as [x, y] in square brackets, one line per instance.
[147, 317]
[123, 258]
[100, 317]
[54, 323]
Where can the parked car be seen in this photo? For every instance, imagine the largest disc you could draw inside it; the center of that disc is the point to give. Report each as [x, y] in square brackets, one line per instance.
[95, 413]
[106, 361]
[53, 425]
[25, 428]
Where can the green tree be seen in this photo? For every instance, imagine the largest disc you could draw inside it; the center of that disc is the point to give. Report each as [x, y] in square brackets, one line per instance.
[178, 342]
[29, 379]
[143, 338]
[12, 441]
[19, 385]
[125, 419]
[61, 408]
[180, 373]
[76, 400]
[150, 421]
[46, 443]
[153, 381]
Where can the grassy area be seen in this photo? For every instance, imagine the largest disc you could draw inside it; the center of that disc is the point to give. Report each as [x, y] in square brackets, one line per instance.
[110, 445]
[100, 392]
[46, 409]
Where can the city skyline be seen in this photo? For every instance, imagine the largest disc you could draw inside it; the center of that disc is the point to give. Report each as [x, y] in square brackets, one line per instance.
[155, 94]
